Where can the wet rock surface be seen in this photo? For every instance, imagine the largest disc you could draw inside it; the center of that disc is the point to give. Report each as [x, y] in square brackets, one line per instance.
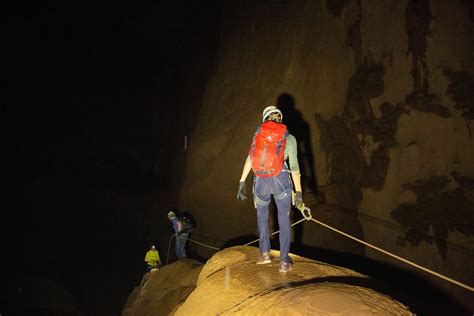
[230, 282]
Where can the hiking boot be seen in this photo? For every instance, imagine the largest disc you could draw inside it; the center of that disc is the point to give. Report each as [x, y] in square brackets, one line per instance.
[264, 258]
[285, 267]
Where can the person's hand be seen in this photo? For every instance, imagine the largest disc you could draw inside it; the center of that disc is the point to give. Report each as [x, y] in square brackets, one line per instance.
[299, 200]
[242, 193]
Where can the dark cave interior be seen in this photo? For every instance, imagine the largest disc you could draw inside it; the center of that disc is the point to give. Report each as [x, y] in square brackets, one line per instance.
[98, 101]
[92, 104]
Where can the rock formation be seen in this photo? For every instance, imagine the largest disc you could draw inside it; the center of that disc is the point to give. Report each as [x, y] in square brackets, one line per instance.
[230, 282]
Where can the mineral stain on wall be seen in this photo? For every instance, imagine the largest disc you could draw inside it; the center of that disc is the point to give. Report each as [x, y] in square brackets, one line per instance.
[470, 6]
[336, 6]
[461, 91]
[339, 137]
[418, 17]
[342, 137]
[439, 209]
[344, 157]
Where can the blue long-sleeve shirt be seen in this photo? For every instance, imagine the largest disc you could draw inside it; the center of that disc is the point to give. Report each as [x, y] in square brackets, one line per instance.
[177, 226]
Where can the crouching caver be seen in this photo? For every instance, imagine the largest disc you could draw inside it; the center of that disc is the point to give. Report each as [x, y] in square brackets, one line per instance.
[272, 146]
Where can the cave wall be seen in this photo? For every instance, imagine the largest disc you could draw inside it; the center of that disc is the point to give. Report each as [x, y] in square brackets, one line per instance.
[379, 96]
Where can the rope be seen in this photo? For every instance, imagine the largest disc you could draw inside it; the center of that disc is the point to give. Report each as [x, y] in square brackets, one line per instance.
[169, 246]
[203, 244]
[197, 242]
[309, 217]
[470, 288]
[274, 233]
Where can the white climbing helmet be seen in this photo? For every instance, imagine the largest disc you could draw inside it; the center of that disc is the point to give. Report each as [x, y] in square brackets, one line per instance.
[171, 215]
[269, 110]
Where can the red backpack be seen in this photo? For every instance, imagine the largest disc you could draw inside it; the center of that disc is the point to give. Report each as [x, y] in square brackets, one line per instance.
[268, 149]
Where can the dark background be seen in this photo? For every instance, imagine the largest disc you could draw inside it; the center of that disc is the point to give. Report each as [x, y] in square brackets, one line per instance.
[93, 114]
[96, 101]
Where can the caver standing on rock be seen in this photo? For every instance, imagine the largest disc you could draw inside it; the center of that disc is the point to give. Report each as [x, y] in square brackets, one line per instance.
[271, 147]
[182, 227]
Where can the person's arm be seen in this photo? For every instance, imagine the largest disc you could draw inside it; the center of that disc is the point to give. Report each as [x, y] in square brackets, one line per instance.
[242, 192]
[175, 225]
[295, 175]
[246, 169]
[291, 152]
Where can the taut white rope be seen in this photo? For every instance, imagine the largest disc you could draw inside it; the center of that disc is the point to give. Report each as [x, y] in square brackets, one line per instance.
[470, 288]
[203, 244]
[274, 233]
[310, 217]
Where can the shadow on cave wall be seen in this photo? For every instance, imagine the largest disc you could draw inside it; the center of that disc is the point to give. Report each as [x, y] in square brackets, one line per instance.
[299, 128]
